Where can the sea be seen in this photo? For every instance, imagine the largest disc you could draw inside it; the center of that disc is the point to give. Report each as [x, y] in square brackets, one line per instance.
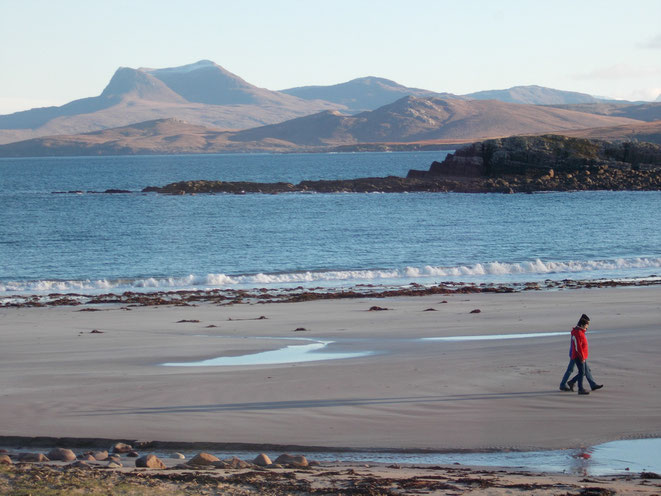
[59, 235]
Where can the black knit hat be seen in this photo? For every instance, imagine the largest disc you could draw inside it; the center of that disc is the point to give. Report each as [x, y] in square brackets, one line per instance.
[583, 320]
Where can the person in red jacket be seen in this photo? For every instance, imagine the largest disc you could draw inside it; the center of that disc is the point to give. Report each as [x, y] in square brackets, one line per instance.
[579, 352]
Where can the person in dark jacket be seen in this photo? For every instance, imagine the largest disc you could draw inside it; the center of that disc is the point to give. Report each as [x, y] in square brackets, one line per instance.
[578, 354]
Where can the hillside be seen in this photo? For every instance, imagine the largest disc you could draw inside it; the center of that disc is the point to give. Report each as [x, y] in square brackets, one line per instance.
[422, 119]
[648, 112]
[362, 94]
[534, 95]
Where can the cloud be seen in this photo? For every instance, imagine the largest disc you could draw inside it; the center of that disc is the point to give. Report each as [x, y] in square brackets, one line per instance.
[620, 71]
[654, 43]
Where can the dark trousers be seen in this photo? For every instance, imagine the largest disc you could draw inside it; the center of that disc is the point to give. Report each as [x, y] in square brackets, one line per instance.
[570, 369]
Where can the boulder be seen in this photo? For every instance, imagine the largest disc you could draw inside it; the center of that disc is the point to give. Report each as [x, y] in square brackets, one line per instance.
[262, 460]
[5, 460]
[149, 461]
[61, 455]
[32, 457]
[133, 454]
[178, 456]
[233, 462]
[203, 459]
[100, 455]
[297, 461]
[122, 448]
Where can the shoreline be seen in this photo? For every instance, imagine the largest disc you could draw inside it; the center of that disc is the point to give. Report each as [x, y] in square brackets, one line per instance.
[187, 297]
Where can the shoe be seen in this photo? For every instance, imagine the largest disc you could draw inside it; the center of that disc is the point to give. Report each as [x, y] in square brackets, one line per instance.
[565, 388]
[584, 391]
[597, 386]
[570, 385]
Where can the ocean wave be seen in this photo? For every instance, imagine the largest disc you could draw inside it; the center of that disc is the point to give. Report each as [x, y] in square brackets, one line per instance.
[481, 272]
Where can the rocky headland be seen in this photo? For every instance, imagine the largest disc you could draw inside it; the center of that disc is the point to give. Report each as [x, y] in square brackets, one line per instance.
[510, 165]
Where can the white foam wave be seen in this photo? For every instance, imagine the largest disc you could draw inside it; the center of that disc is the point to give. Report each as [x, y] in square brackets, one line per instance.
[535, 269]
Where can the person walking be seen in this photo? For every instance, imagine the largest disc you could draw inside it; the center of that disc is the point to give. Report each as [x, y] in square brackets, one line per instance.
[578, 354]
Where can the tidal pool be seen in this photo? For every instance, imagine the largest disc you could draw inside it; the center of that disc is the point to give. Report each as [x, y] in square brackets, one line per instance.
[295, 353]
[488, 337]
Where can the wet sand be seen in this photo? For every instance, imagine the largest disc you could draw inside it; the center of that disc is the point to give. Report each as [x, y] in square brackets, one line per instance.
[60, 379]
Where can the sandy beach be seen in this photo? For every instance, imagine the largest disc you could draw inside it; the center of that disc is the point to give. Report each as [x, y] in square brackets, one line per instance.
[60, 379]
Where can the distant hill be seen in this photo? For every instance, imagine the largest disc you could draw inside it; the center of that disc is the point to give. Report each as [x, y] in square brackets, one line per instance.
[643, 131]
[650, 111]
[357, 95]
[202, 93]
[408, 120]
[421, 119]
[534, 95]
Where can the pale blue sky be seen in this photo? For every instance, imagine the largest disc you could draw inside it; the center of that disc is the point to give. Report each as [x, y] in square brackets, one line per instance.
[55, 51]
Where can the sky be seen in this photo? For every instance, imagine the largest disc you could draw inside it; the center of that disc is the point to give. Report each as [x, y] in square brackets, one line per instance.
[56, 51]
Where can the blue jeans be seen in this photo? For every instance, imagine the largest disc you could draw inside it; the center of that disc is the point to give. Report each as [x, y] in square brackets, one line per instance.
[570, 369]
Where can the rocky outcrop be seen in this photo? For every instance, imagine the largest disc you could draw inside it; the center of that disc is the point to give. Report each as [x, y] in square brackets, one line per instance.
[551, 155]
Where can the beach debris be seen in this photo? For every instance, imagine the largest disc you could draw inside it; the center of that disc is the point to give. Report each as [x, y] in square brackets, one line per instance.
[296, 461]
[477, 310]
[649, 475]
[203, 459]
[122, 448]
[32, 457]
[188, 321]
[261, 317]
[430, 310]
[61, 454]
[150, 461]
[300, 329]
[5, 460]
[96, 331]
[444, 301]
[211, 326]
[262, 460]
[80, 464]
[376, 308]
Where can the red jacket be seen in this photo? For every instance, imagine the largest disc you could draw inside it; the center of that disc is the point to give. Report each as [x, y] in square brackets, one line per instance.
[579, 344]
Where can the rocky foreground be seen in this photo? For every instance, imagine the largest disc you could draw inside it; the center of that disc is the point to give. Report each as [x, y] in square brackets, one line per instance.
[124, 471]
[510, 165]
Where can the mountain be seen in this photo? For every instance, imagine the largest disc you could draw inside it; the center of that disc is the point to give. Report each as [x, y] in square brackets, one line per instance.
[535, 95]
[649, 111]
[408, 120]
[202, 93]
[358, 95]
[422, 119]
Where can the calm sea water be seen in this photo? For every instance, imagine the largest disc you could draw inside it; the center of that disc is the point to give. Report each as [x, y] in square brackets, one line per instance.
[97, 242]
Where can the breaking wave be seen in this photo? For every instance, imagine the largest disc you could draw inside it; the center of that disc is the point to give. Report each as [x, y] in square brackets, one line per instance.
[483, 272]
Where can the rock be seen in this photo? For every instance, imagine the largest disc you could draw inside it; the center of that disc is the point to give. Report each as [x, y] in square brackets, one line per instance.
[150, 461]
[133, 454]
[122, 448]
[32, 457]
[376, 308]
[297, 461]
[114, 458]
[80, 464]
[477, 310]
[61, 454]
[262, 460]
[233, 462]
[203, 459]
[87, 457]
[5, 460]
[118, 465]
[178, 456]
[100, 455]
